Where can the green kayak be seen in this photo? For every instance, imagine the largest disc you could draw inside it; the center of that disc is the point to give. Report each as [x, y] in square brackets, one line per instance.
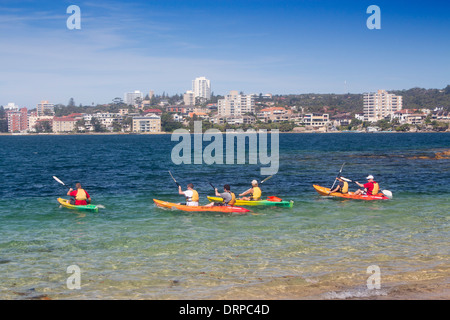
[90, 207]
[271, 201]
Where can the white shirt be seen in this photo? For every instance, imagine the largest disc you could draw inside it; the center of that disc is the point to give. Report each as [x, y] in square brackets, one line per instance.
[188, 194]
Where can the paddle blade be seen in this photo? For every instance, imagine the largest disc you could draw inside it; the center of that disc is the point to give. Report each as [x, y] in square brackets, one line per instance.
[59, 181]
[345, 179]
[266, 179]
[387, 193]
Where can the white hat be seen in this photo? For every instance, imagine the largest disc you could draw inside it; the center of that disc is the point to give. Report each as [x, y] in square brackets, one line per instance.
[369, 177]
[254, 182]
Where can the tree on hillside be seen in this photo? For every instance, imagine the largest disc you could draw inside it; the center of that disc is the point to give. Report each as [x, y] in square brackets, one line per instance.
[168, 124]
[96, 125]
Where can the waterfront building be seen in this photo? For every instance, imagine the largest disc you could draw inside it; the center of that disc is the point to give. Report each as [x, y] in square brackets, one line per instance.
[17, 119]
[316, 119]
[64, 124]
[381, 105]
[33, 119]
[147, 124]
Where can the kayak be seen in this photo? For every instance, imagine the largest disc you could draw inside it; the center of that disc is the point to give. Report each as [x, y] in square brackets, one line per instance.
[351, 195]
[274, 202]
[89, 207]
[224, 209]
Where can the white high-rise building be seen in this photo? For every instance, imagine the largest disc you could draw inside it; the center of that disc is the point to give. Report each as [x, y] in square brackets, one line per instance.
[381, 105]
[201, 88]
[130, 97]
[235, 104]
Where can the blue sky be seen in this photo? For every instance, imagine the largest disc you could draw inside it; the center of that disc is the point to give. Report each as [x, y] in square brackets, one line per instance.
[253, 46]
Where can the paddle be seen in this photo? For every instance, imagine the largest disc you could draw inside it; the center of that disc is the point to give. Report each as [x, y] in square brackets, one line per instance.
[174, 179]
[337, 176]
[59, 181]
[266, 179]
[387, 193]
[212, 186]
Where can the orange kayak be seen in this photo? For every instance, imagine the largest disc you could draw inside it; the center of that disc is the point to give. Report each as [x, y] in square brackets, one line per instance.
[223, 209]
[351, 195]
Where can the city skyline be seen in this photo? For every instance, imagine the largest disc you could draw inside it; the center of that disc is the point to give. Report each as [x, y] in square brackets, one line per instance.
[292, 47]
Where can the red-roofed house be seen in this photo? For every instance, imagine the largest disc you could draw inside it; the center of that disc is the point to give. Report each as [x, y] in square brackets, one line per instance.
[76, 116]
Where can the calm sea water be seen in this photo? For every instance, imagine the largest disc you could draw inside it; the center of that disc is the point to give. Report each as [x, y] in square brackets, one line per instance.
[132, 250]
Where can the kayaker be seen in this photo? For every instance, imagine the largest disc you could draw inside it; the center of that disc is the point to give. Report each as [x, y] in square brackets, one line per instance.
[82, 198]
[255, 192]
[371, 188]
[342, 186]
[229, 198]
[190, 194]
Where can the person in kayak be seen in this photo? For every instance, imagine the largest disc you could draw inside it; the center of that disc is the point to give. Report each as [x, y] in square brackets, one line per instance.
[229, 198]
[82, 198]
[371, 188]
[255, 192]
[190, 194]
[342, 186]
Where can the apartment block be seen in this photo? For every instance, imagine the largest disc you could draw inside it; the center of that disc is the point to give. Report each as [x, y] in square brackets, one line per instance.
[44, 108]
[63, 124]
[381, 105]
[147, 124]
[235, 104]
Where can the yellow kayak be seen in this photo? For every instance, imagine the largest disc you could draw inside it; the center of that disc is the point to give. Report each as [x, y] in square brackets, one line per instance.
[89, 207]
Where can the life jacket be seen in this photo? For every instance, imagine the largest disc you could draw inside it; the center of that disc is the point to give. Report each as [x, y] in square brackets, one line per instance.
[232, 201]
[376, 188]
[81, 195]
[193, 198]
[256, 193]
[345, 187]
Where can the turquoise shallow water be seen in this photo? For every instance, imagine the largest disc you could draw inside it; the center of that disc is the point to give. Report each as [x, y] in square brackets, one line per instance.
[133, 250]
